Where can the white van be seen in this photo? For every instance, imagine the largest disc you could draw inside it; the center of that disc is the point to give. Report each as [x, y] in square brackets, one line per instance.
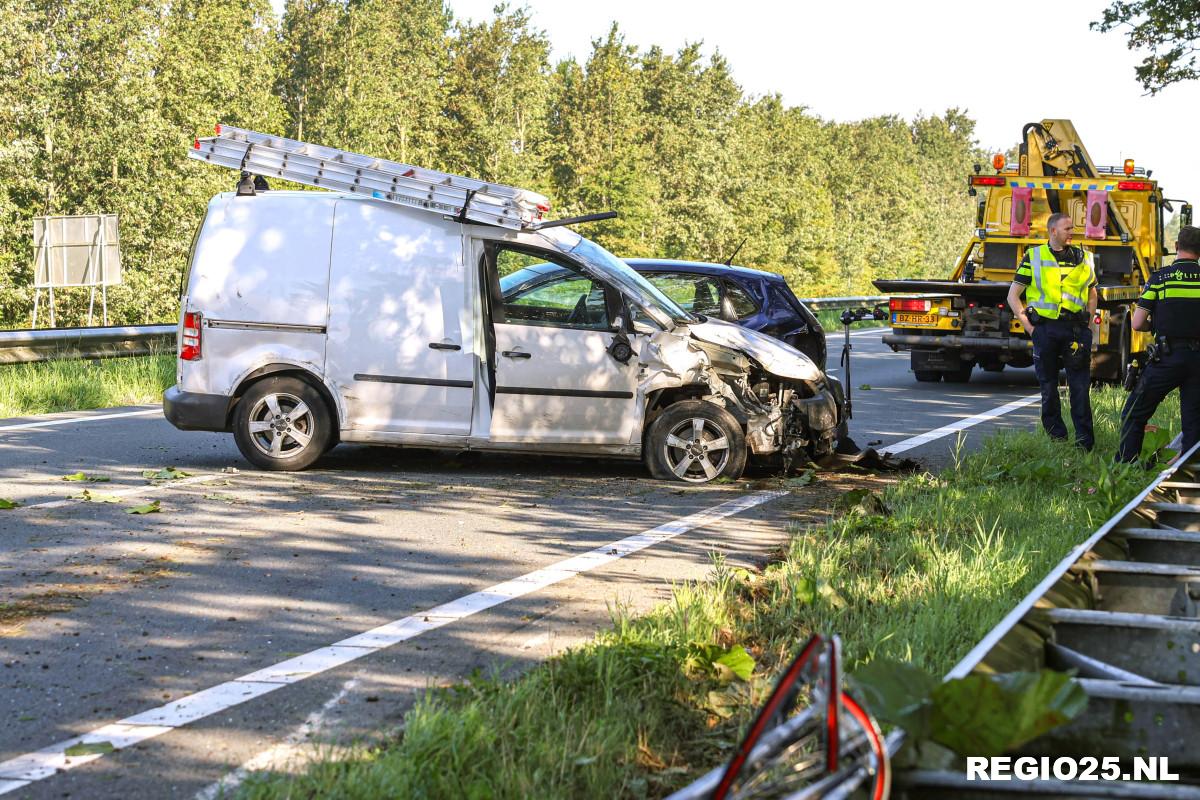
[312, 318]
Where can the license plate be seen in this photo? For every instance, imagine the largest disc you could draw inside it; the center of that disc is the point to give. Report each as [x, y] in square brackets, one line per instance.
[916, 319]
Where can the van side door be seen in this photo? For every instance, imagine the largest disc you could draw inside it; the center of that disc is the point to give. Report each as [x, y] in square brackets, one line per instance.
[400, 349]
[555, 379]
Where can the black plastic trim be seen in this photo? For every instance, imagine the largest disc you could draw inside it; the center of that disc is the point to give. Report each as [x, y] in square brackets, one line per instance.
[415, 381]
[562, 392]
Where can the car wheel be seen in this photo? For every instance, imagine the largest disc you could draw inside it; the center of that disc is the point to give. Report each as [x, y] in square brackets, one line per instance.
[282, 424]
[697, 442]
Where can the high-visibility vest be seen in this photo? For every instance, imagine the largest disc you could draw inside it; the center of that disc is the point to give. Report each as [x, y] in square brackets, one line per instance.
[1052, 291]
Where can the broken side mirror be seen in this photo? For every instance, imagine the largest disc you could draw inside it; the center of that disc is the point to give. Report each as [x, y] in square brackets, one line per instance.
[620, 349]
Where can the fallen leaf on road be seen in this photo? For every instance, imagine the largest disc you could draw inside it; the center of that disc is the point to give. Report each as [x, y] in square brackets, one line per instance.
[168, 474]
[83, 476]
[8, 503]
[89, 497]
[866, 387]
[89, 749]
[149, 508]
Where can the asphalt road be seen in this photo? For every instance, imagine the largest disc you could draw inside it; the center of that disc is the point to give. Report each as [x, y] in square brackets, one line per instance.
[113, 614]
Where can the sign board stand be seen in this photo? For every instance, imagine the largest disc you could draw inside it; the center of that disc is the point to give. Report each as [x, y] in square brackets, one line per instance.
[75, 251]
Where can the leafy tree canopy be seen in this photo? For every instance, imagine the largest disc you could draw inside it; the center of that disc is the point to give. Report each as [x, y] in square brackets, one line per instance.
[1168, 29]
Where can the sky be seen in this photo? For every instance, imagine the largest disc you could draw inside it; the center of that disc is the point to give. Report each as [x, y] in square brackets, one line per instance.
[1004, 63]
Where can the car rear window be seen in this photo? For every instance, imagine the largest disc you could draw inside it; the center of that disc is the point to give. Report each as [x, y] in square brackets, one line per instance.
[699, 294]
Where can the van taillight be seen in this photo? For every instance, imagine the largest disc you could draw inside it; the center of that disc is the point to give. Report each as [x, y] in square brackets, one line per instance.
[190, 344]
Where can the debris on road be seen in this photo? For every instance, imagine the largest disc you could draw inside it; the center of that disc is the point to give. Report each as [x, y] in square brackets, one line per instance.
[88, 496]
[88, 749]
[167, 474]
[84, 477]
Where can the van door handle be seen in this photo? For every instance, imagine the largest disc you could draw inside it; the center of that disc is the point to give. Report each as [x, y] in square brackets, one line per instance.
[444, 346]
[516, 354]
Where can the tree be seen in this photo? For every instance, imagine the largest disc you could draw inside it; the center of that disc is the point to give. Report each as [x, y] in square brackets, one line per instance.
[1170, 29]
[946, 153]
[497, 101]
[366, 75]
[690, 108]
[78, 105]
[24, 80]
[777, 193]
[600, 160]
[215, 61]
[310, 36]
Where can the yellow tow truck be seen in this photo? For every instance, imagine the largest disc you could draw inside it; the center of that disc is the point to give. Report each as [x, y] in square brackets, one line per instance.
[951, 326]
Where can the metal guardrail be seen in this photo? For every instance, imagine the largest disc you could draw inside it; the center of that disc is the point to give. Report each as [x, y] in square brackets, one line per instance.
[48, 344]
[1123, 611]
[822, 303]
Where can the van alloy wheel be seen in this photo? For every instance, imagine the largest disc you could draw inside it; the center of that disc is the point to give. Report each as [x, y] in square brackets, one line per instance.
[283, 423]
[280, 425]
[695, 441]
[696, 450]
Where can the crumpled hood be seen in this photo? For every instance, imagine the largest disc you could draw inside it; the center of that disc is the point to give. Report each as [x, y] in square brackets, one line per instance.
[776, 357]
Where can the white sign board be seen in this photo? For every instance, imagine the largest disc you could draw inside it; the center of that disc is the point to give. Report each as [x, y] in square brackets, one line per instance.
[76, 251]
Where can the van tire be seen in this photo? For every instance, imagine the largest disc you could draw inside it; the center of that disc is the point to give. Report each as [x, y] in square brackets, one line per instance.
[675, 430]
[271, 402]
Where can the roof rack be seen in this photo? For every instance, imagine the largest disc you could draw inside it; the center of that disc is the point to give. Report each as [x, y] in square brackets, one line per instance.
[467, 199]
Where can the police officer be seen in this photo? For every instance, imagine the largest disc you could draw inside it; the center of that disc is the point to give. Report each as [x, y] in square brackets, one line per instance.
[1170, 305]
[1059, 283]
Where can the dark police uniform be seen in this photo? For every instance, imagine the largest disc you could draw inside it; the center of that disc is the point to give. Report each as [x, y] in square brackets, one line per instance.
[1063, 343]
[1173, 299]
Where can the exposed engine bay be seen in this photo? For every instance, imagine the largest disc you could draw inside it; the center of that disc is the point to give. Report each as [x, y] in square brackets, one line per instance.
[795, 416]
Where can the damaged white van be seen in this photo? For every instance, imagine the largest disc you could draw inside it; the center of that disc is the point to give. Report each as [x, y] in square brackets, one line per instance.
[312, 318]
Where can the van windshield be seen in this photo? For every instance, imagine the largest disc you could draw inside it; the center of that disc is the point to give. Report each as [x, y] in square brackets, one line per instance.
[662, 308]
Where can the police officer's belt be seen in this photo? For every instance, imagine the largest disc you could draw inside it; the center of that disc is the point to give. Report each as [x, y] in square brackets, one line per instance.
[1072, 317]
[1184, 342]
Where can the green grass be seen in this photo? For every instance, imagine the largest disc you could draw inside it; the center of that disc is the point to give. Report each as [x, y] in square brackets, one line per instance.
[637, 712]
[75, 384]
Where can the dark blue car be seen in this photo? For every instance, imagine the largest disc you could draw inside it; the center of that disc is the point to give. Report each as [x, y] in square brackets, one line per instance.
[761, 301]
[758, 300]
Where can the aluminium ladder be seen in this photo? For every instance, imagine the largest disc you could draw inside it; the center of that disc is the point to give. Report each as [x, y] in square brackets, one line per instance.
[391, 181]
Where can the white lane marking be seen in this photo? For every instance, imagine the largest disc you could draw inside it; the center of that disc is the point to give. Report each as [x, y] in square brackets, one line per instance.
[962, 424]
[280, 755]
[134, 491]
[91, 418]
[23, 769]
[49, 760]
